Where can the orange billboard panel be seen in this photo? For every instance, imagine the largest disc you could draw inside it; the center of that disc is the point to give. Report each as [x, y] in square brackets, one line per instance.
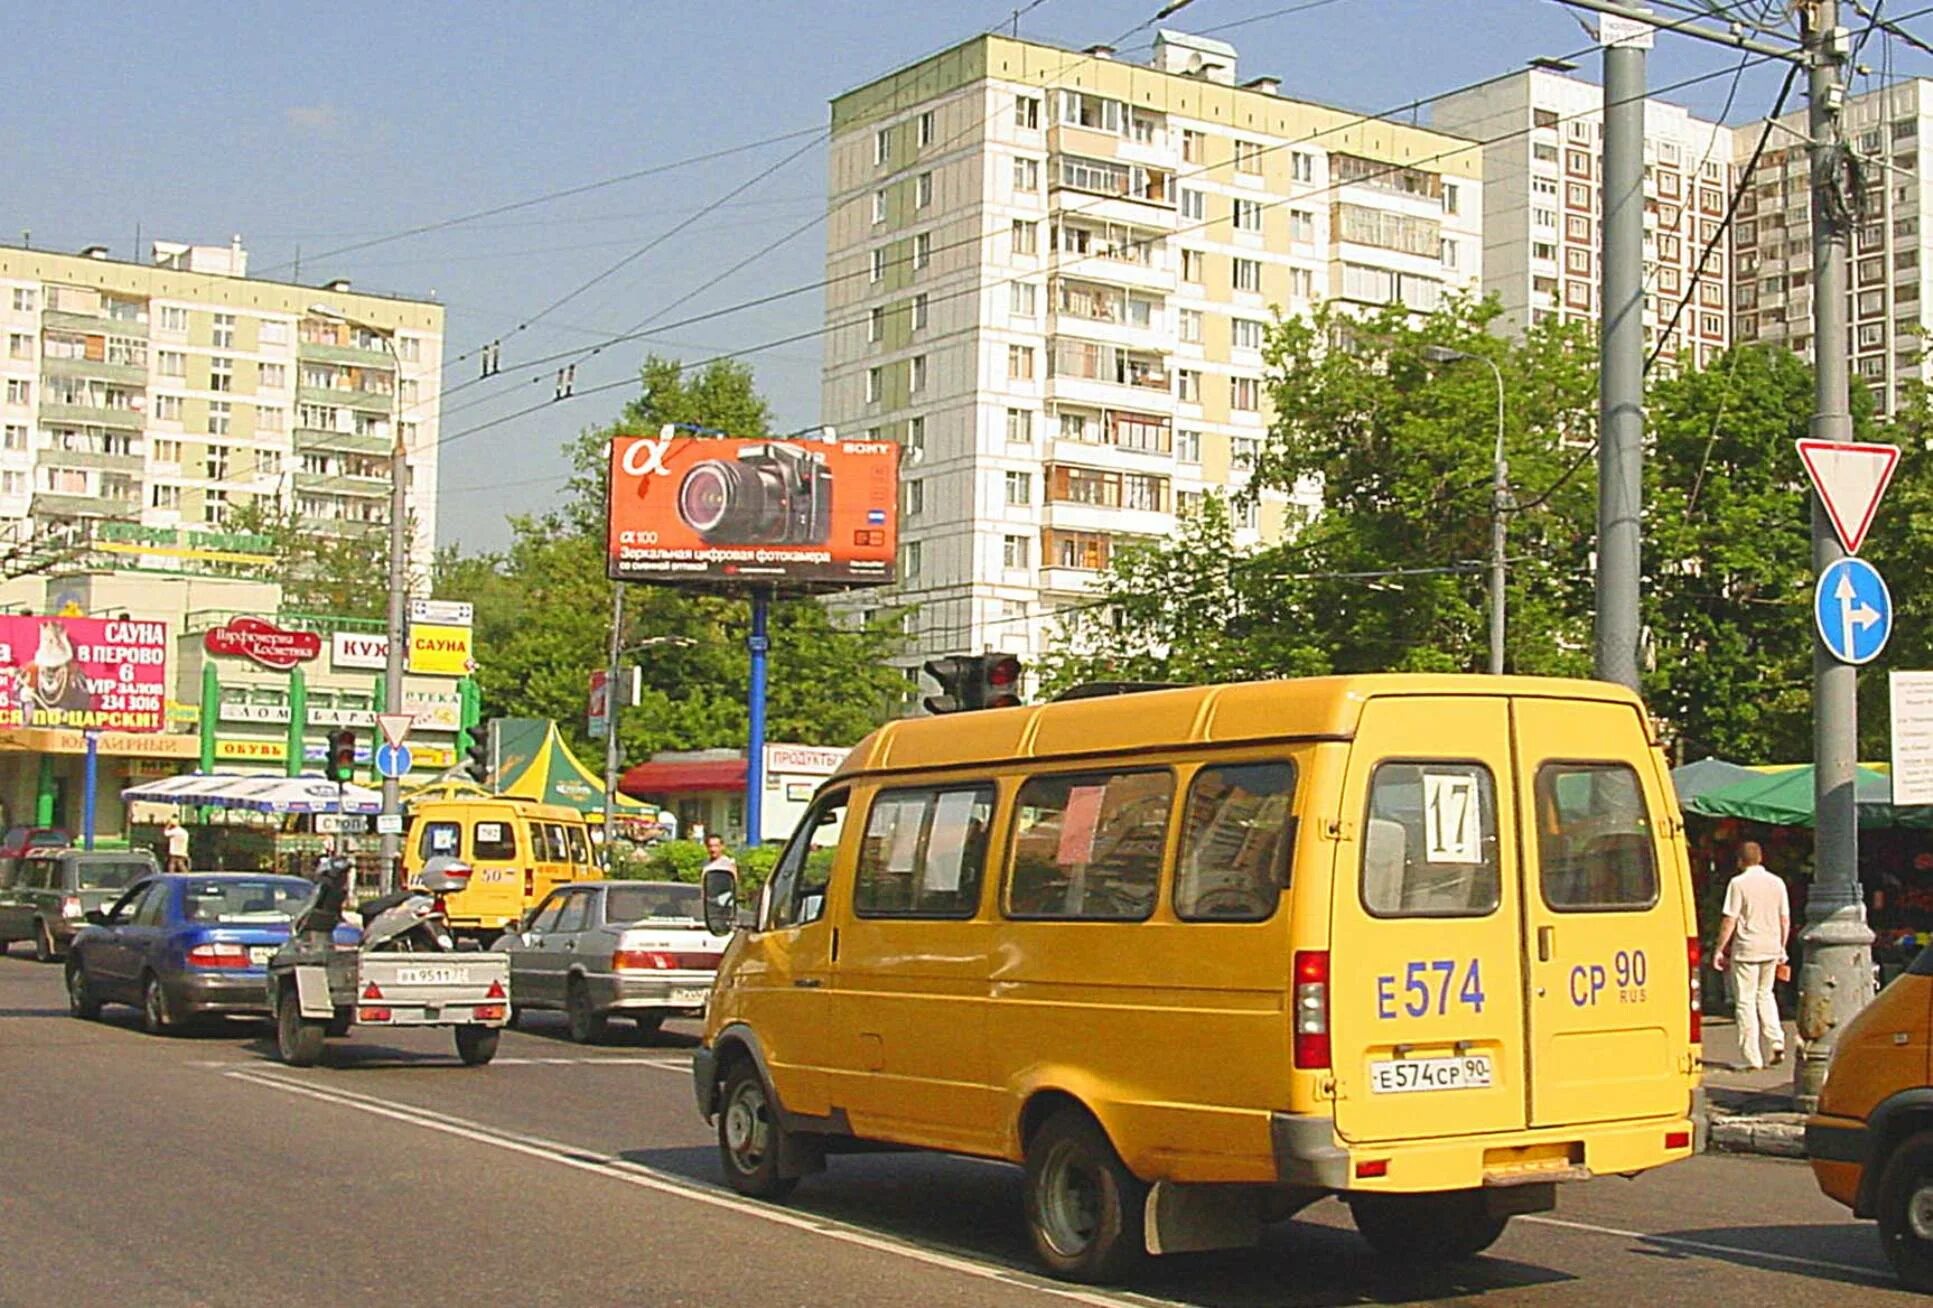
[730, 513]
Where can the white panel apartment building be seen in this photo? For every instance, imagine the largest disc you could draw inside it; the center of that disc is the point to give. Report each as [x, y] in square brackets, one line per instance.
[1050, 277]
[143, 403]
[1544, 206]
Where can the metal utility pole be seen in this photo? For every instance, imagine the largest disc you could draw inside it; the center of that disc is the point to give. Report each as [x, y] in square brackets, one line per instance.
[1620, 425]
[1835, 976]
[1499, 501]
[611, 718]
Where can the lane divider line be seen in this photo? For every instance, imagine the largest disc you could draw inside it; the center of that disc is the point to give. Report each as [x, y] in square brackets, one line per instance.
[1712, 1247]
[650, 1178]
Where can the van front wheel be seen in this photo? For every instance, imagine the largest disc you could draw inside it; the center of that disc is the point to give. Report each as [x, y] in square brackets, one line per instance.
[1427, 1228]
[751, 1136]
[1085, 1209]
[1906, 1211]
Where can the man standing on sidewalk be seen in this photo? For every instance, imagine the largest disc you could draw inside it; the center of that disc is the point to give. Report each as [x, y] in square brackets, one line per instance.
[1752, 936]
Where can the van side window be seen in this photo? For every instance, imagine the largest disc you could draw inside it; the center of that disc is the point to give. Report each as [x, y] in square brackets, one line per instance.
[580, 845]
[1594, 848]
[539, 843]
[1089, 844]
[493, 840]
[804, 870]
[440, 838]
[1235, 840]
[1430, 841]
[560, 846]
[923, 853]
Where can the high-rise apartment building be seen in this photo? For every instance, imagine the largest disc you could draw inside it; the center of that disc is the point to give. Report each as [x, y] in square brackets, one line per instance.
[1051, 275]
[1889, 284]
[1543, 209]
[139, 402]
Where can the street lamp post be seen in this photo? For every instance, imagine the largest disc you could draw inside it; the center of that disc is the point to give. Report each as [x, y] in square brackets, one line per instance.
[612, 700]
[392, 842]
[1499, 501]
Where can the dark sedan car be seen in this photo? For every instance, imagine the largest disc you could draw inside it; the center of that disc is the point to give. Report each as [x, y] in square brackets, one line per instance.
[182, 946]
[45, 896]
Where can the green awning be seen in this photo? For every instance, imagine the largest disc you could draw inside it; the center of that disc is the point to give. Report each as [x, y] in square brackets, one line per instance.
[1708, 774]
[1785, 798]
[534, 762]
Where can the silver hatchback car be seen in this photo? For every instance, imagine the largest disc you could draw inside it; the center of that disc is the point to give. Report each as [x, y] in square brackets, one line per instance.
[604, 949]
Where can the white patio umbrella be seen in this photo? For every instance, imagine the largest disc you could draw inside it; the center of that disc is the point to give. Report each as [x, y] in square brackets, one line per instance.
[306, 794]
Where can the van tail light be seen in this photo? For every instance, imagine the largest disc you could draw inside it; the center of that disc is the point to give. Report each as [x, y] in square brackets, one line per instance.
[1311, 1008]
[70, 907]
[1695, 956]
[530, 882]
[218, 954]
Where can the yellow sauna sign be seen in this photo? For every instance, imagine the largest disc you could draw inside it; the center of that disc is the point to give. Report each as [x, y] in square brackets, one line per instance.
[440, 651]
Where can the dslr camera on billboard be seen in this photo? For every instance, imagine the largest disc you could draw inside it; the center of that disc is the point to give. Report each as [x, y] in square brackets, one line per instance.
[769, 495]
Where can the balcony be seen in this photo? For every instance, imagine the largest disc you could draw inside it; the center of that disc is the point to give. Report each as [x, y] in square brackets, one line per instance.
[101, 462]
[126, 374]
[340, 442]
[354, 355]
[343, 397]
[1069, 515]
[53, 504]
[65, 320]
[98, 415]
[334, 483]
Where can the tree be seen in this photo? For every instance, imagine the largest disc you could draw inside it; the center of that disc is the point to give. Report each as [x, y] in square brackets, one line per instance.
[341, 574]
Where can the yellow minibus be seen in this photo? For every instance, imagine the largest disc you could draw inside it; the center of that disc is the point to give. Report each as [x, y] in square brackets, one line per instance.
[518, 850]
[1199, 957]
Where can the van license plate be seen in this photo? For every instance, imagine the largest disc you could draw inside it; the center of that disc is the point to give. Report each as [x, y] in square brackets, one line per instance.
[1403, 1075]
[429, 976]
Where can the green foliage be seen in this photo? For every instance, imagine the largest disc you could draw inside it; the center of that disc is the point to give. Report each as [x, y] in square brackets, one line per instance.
[684, 860]
[343, 576]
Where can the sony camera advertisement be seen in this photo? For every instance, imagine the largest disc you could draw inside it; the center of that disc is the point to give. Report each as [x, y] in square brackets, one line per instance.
[725, 513]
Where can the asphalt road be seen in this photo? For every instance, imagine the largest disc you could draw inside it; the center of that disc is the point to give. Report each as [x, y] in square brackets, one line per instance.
[197, 1170]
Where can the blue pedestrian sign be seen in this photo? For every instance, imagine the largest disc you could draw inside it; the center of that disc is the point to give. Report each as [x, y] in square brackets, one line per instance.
[1854, 610]
[393, 760]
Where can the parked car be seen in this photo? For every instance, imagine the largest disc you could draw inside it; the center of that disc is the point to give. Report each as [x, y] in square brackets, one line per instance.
[19, 840]
[604, 949]
[184, 946]
[45, 896]
[1871, 1140]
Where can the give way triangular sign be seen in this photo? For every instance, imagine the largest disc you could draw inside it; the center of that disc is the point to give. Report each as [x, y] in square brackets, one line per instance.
[395, 726]
[1850, 478]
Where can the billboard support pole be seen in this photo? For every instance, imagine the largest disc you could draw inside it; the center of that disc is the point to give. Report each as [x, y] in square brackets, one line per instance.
[758, 643]
[611, 748]
[90, 786]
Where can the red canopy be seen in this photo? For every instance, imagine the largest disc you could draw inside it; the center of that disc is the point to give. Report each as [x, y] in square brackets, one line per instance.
[672, 778]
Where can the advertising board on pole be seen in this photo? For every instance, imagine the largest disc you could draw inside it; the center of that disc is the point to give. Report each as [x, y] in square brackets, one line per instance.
[440, 651]
[1912, 733]
[83, 673]
[726, 513]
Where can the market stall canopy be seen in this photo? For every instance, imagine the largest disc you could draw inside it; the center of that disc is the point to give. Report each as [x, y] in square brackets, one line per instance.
[1784, 799]
[684, 777]
[1707, 775]
[533, 762]
[309, 794]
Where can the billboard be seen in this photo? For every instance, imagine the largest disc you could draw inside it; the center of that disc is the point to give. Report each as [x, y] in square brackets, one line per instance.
[83, 673]
[726, 513]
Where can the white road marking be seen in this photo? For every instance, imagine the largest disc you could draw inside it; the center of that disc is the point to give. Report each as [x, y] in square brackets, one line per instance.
[1710, 1247]
[650, 1178]
[505, 1060]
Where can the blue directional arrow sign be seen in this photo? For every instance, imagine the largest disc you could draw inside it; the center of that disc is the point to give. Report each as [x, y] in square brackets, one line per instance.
[1854, 610]
[393, 760]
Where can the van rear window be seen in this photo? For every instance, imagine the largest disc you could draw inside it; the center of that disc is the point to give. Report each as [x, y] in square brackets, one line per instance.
[1430, 841]
[440, 838]
[1089, 844]
[493, 840]
[1594, 848]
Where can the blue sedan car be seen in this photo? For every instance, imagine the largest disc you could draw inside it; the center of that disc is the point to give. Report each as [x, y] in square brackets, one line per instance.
[183, 946]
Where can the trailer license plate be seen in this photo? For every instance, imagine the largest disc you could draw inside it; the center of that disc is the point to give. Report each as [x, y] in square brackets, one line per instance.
[1404, 1075]
[430, 976]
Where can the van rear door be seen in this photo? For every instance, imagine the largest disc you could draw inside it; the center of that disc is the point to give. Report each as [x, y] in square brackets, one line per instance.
[1426, 975]
[1609, 996]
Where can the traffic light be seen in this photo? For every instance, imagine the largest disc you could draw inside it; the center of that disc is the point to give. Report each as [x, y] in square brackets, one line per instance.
[974, 681]
[342, 755]
[476, 762]
[999, 681]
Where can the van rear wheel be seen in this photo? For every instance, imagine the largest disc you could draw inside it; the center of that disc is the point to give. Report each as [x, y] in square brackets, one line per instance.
[1427, 1228]
[1085, 1209]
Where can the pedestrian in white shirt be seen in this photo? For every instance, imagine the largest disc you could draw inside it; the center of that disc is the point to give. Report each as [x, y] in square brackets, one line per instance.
[1751, 942]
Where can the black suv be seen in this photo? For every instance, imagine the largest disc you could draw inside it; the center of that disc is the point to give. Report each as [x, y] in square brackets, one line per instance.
[46, 893]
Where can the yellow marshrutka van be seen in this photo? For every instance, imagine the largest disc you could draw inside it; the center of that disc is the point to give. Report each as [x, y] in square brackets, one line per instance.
[1199, 957]
[518, 850]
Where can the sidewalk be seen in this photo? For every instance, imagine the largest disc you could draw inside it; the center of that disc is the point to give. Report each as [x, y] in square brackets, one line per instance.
[1749, 1112]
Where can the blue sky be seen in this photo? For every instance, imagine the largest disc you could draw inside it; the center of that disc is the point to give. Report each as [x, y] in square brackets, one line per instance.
[310, 128]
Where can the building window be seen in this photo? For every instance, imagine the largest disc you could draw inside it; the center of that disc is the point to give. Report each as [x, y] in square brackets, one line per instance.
[167, 408]
[221, 373]
[1019, 488]
[19, 391]
[217, 463]
[1302, 283]
[1248, 334]
[15, 437]
[875, 323]
[224, 338]
[1189, 323]
[922, 250]
[1193, 204]
[1023, 299]
[1248, 156]
[1191, 266]
[1026, 237]
[271, 419]
[1188, 386]
[879, 206]
[916, 374]
[1577, 261]
[909, 561]
[1020, 363]
[872, 385]
[915, 498]
[1187, 445]
[1026, 175]
[1193, 146]
[167, 497]
[23, 299]
[1244, 394]
[172, 363]
[1577, 195]
[1243, 452]
[878, 265]
[919, 311]
[1302, 166]
[20, 345]
[1248, 215]
[1247, 275]
[926, 129]
[923, 190]
[272, 377]
[1014, 552]
[1450, 197]
[1020, 426]
[916, 439]
[1302, 225]
[1026, 113]
[882, 146]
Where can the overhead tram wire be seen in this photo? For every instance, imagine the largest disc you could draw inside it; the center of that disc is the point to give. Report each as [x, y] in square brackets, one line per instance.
[981, 289]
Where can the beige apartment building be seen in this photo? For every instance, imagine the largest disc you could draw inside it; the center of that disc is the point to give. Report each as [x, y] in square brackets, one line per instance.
[1544, 207]
[1051, 274]
[142, 404]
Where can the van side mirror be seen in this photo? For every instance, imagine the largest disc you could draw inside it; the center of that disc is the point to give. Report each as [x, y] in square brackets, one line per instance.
[96, 917]
[720, 889]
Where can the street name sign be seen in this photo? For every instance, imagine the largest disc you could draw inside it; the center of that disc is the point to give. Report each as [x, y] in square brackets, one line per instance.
[442, 613]
[395, 726]
[1850, 477]
[393, 760]
[1853, 610]
[1912, 733]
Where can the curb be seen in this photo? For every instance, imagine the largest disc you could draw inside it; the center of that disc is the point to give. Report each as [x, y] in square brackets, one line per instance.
[1774, 1135]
